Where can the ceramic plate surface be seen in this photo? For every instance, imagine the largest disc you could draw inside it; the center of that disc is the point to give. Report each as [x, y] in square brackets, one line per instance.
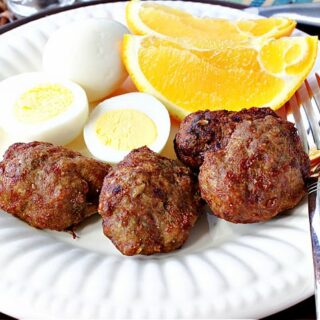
[223, 271]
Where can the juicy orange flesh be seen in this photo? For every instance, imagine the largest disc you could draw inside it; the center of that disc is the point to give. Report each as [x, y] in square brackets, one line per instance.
[206, 32]
[214, 63]
[200, 33]
[261, 27]
[272, 56]
[230, 79]
[285, 55]
[296, 64]
[292, 53]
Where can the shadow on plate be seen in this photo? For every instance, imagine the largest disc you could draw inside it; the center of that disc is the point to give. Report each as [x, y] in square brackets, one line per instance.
[94, 219]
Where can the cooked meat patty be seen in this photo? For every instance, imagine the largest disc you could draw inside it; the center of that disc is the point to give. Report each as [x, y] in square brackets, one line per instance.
[48, 186]
[148, 203]
[259, 173]
[210, 130]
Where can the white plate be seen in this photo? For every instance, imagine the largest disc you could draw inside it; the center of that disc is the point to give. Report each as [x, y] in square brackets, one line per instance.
[223, 271]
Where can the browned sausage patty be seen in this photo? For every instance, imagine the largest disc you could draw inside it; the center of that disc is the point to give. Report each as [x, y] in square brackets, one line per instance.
[210, 130]
[49, 187]
[258, 174]
[148, 203]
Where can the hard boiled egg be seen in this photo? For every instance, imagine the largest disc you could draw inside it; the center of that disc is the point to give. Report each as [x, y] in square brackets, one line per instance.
[125, 122]
[35, 106]
[88, 53]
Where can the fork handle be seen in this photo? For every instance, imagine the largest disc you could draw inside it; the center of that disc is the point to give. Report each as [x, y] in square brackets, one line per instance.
[314, 219]
[305, 13]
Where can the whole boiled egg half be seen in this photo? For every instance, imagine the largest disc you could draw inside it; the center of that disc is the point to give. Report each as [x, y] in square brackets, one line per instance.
[88, 52]
[126, 122]
[39, 107]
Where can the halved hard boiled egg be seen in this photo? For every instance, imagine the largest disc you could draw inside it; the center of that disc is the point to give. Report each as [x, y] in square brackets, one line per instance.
[36, 106]
[122, 123]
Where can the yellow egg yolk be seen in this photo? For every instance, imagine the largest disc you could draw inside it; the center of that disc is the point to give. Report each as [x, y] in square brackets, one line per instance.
[125, 129]
[42, 103]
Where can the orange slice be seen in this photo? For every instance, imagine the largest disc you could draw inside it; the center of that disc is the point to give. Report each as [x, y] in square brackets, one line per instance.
[266, 73]
[147, 18]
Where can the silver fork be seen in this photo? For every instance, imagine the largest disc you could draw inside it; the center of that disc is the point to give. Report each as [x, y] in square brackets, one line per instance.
[304, 110]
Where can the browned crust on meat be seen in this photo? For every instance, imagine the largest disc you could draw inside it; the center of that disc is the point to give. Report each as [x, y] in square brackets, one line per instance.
[210, 130]
[148, 203]
[49, 187]
[258, 174]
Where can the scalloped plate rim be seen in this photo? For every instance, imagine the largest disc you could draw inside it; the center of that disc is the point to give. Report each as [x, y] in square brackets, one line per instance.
[8, 303]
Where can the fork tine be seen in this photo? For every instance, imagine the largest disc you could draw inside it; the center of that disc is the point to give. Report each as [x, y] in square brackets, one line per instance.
[311, 107]
[297, 115]
[318, 78]
[316, 92]
[306, 112]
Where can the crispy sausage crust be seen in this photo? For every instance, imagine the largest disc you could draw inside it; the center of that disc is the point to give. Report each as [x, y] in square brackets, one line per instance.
[49, 187]
[208, 130]
[259, 173]
[148, 203]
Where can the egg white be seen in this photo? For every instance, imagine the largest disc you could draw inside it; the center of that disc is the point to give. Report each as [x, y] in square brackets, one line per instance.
[88, 53]
[138, 101]
[60, 130]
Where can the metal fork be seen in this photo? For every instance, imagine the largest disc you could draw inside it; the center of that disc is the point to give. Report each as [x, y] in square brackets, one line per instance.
[304, 110]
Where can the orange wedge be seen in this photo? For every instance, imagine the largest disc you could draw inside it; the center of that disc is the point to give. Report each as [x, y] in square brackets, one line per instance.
[266, 73]
[147, 18]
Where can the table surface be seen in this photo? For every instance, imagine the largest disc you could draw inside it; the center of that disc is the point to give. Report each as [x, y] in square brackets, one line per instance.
[304, 309]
